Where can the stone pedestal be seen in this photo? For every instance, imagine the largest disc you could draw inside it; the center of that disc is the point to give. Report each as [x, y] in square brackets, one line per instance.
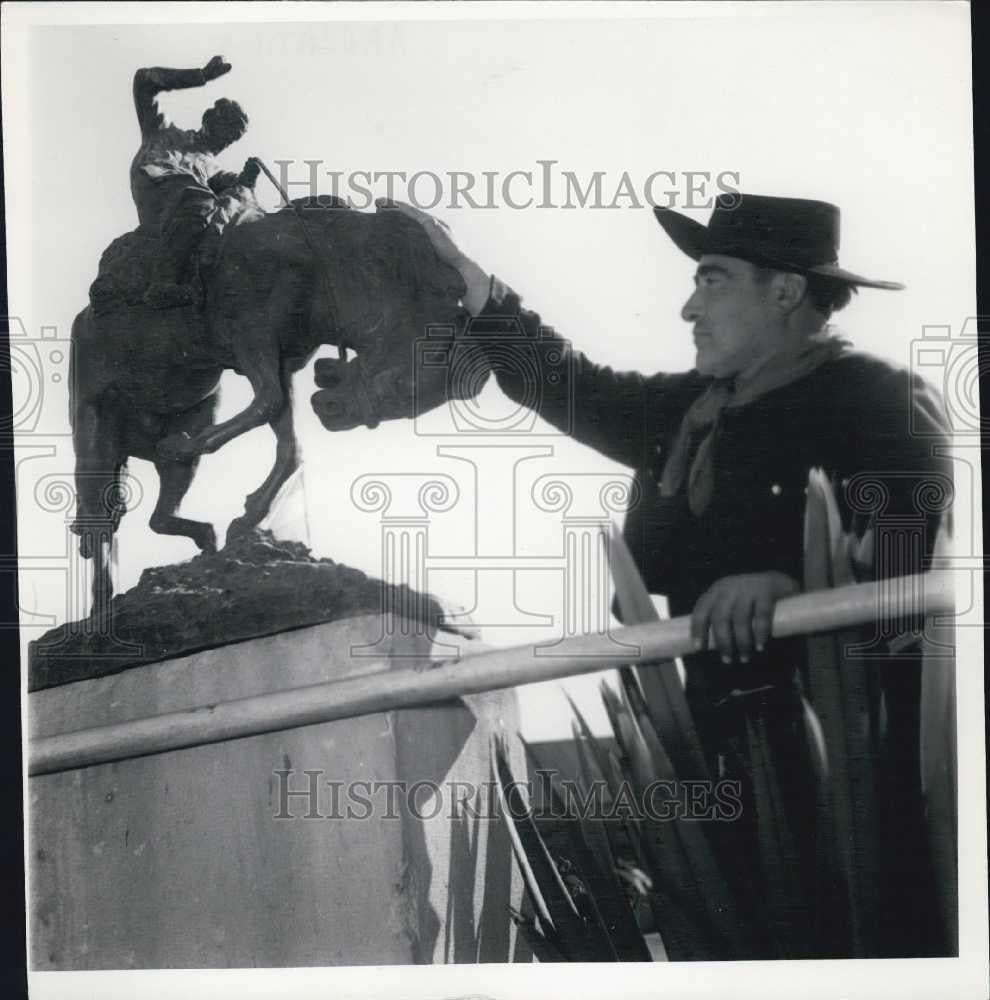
[364, 841]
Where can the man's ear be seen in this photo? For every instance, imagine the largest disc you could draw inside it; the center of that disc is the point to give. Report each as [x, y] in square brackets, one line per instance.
[788, 290]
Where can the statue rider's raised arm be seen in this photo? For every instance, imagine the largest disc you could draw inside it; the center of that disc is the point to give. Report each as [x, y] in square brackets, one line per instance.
[151, 81]
[175, 177]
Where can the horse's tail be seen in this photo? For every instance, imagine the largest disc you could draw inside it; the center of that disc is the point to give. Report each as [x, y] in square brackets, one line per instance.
[75, 345]
[96, 440]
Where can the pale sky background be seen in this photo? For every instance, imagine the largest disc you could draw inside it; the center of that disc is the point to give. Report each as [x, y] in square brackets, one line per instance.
[866, 105]
[856, 104]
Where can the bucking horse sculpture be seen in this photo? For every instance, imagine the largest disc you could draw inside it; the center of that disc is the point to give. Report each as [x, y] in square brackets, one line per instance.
[144, 381]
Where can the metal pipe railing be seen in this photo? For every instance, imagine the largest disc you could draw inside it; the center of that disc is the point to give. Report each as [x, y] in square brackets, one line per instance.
[817, 611]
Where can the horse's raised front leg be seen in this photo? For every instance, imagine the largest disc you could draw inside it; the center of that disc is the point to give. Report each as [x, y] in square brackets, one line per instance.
[259, 503]
[257, 348]
[262, 372]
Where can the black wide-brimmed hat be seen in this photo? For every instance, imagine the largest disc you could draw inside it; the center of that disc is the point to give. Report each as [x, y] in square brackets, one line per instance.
[791, 234]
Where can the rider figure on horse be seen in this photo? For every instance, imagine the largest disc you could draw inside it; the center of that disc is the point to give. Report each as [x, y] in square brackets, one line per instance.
[179, 189]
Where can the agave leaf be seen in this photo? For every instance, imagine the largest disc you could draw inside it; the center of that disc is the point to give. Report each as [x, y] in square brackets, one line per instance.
[592, 744]
[586, 844]
[683, 930]
[542, 947]
[938, 758]
[623, 840]
[683, 938]
[587, 754]
[662, 768]
[551, 885]
[600, 768]
[696, 918]
[522, 858]
[606, 802]
[661, 684]
[560, 917]
[679, 858]
[780, 883]
[694, 846]
[595, 797]
[577, 866]
[634, 749]
[636, 879]
[691, 874]
[815, 734]
[845, 701]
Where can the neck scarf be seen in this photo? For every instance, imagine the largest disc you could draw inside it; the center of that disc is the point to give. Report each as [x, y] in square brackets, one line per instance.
[700, 426]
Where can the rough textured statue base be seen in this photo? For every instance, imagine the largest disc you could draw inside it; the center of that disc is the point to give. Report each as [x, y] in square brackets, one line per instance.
[255, 586]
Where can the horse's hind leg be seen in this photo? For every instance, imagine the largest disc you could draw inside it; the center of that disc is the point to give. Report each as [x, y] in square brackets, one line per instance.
[259, 503]
[174, 479]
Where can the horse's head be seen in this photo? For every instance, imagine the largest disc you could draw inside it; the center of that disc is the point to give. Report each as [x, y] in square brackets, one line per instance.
[422, 374]
[403, 344]
[352, 394]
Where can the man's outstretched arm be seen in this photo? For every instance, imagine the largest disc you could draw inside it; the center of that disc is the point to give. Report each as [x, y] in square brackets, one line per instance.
[618, 414]
[151, 81]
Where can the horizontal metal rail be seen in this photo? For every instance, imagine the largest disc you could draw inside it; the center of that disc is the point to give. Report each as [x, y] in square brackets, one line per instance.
[818, 611]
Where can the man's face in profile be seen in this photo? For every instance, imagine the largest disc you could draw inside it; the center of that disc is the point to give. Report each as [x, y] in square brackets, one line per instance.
[732, 314]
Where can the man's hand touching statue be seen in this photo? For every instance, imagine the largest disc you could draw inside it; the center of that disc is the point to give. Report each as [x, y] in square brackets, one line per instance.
[475, 279]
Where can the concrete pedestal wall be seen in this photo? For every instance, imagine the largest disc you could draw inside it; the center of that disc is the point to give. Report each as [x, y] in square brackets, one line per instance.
[203, 858]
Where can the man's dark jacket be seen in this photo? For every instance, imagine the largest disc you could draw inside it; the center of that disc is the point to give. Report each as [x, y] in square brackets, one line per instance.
[880, 434]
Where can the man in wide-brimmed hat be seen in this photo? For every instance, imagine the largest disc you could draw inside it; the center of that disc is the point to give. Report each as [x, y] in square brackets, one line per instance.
[723, 455]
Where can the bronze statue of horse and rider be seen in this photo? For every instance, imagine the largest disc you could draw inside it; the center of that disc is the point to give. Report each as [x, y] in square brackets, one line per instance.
[208, 282]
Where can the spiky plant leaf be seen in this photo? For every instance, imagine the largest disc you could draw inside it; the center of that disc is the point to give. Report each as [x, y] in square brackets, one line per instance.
[587, 798]
[584, 841]
[591, 773]
[938, 758]
[512, 807]
[576, 865]
[623, 841]
[662, 766]
[591, 745]
[562, 922]
[542, 947]
[846, 702]
[660, 682]
[780, 882]
[685, 921]
[635, 753]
